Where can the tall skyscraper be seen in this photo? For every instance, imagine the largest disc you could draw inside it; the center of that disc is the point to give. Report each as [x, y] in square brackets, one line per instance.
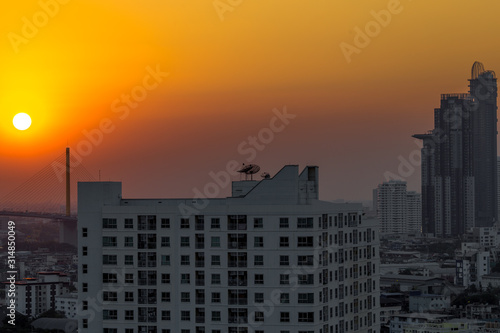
[398, 211]
[459, 174]
[483, 90]
[270, 258]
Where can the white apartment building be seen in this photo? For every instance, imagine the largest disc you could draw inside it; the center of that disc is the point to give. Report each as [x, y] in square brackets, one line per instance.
[272, 258]
[398, 210]
[35, 296]
[67, 304]
[472, 263]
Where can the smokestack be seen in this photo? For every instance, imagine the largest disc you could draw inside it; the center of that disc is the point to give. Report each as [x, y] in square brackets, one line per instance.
[68, 195]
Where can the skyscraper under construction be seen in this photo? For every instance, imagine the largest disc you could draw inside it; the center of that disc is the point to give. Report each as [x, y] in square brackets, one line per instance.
[459, 171]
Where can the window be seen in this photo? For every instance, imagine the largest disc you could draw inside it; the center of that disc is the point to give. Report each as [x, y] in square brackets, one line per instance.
[129, 224]
[215, 260]
[259, 297]
[84, 232]
[165, 260]
[108, 259]
[199, 222]
[84, 269]
[305, 241]
[165, 278]
[109, 314]
[146, 259]
[284, 298]
[259, 279]
[146, 222]
[215, 241]
[165, 241]
[284, 222]
[129, 314]
[215, 278]
[259, 316]
[85, 323]
[185, 260]
[146, 241]
[109, 330]
[185, 297]
[129, 278]
[84, 250]
[306, 317]
[305, 223]
[109, 278]
[215, 297]
[284, 242]
[147, 278]
[306, 298]
[129, 242]
[109, 296]
[165, 315]
[284, 279]
[108, 223]
[185, 315]
[215, 315]
[258, 223]
[284, 317]
[85, 287]
[185, 278]
[215, 223]
[185, 241]
[258, 241]
[306, 278]
[129, 296]
[165, 223]
[129, 260]
[284, 261]
[165, 297]
[258, 260]
[85, 305]
[306, 260]
[108, 241]
[184, 223]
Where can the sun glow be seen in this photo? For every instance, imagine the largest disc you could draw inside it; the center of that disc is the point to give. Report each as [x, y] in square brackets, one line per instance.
[22, 121]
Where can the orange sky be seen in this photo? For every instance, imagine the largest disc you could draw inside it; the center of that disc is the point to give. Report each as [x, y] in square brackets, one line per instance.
[68, 63]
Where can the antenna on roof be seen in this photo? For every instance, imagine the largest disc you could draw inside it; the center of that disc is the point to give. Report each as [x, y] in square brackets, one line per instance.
[249, 170]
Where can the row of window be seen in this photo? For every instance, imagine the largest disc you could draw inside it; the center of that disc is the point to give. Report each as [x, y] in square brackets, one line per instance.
[153, 329]
[234, 222]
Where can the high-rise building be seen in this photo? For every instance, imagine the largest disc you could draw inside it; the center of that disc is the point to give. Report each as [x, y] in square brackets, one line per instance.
[398, 211]
[270, 258]
[459, 174]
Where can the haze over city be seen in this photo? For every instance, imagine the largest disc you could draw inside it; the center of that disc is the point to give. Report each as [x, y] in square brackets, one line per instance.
[354, 113]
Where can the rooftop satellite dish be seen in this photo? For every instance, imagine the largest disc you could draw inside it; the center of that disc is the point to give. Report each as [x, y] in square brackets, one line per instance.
[249, 170]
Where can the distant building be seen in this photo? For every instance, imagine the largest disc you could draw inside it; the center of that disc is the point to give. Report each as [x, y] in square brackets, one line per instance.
[67, 304]
[420, 302]
[35, 296]
[459, 160]
[398, 210]
[472, 263]
[217, 265]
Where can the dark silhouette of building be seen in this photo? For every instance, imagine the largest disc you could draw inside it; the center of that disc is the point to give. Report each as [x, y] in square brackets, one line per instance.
[459, 169]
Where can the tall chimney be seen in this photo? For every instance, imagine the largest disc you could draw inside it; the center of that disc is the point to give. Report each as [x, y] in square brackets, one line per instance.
[68, 194]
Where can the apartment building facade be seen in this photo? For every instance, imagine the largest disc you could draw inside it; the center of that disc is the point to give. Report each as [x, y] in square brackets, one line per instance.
[270, 258]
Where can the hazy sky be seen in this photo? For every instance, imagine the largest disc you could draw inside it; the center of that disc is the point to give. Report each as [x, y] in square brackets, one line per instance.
[353, 101]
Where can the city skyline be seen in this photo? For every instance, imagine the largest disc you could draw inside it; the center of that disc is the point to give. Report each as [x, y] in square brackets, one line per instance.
[225, 78]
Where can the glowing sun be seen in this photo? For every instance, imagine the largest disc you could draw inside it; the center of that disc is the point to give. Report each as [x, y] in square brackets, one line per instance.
[22, 121]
